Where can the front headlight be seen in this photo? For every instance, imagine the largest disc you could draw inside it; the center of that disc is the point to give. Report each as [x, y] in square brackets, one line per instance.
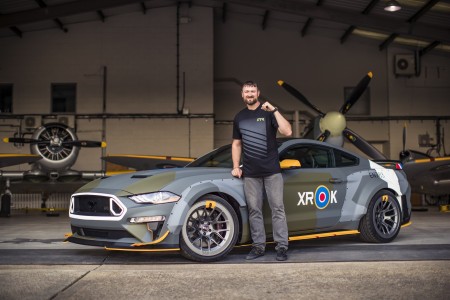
[155, 198]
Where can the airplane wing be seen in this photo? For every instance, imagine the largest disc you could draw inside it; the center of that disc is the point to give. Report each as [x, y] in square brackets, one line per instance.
[7, 160]
[429, 175]
[147, 162]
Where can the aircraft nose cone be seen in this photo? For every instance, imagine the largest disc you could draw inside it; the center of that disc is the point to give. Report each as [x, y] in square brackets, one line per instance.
[334, 122]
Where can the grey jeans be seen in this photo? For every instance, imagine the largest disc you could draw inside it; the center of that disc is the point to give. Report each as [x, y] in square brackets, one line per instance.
[253, 189]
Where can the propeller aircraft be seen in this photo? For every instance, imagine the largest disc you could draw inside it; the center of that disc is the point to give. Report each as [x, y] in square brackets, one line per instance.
[427, 175]
[54, 150]
[332, 125]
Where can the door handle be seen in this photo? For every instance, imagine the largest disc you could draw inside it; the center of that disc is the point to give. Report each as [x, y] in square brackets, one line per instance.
[335, 180]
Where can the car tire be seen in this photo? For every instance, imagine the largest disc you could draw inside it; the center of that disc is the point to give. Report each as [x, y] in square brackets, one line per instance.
[381, 224]
[210, 230]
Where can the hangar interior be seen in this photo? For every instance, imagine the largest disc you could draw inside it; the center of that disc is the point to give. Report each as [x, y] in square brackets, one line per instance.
[164, 77]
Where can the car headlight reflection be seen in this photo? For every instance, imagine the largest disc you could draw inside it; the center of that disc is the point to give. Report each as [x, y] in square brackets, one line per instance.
[155, 198]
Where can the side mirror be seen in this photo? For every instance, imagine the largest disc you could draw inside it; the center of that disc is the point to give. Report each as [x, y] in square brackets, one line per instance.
[290, 164]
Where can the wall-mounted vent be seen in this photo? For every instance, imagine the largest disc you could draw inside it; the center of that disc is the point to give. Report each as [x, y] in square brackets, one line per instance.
[405, 64]
[31, 122]
[68, 120]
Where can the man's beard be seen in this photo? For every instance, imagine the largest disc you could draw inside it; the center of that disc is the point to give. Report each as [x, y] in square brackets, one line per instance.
[250, 101]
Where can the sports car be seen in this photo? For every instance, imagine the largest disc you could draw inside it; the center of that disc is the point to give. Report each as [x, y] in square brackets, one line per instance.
[200, 210]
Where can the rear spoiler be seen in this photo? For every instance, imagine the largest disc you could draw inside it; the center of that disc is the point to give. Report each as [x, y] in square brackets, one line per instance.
[389, 164]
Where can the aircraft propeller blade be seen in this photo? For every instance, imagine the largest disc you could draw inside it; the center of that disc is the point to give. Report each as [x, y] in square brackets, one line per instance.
[405, 155]
[323, 136]
[291, 90]
[308, 131]
[362, 144]
[356, 93]
[86, 144]
[25, 141]
[404, 137]
[77, 143]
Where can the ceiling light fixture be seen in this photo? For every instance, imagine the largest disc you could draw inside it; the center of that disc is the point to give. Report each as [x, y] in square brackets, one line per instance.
[392, 6]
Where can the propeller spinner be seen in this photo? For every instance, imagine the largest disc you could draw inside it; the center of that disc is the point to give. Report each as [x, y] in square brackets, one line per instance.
[333, 126]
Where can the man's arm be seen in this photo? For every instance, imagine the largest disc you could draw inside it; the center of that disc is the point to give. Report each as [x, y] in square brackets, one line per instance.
[236, 151]
[284, 127]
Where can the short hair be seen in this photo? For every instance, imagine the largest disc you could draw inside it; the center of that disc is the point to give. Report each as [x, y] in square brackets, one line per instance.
[250, 83]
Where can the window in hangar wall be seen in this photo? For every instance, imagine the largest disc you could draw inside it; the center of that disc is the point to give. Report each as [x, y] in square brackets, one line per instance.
[64, 97]
[6, 98]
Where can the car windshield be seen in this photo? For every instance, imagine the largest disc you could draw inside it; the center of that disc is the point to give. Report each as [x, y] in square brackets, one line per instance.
[218, 158]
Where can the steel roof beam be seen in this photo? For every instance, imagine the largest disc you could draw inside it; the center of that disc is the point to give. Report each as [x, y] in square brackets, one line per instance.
[58, 22]
[60, 25]
[422, 11]
[370, 6]
[311, 10]
[366, 11]
[16, 30]
[265, 18]
[347, 34]
[60, 10]
[428, 48]
[418, 31]
[388, 41]
[224, 12]
[306, 26]
[309, 21]
[144, 8]
[101, 15]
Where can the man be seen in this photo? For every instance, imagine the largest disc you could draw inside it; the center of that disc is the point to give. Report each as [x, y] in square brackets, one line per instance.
[254, 136]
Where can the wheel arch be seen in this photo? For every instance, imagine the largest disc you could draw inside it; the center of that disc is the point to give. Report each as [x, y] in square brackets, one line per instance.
[381, 189]
[375, 226]
[242, 214]
[199, 190]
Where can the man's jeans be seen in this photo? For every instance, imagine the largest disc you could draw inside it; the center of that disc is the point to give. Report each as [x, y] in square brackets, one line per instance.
[253, 189]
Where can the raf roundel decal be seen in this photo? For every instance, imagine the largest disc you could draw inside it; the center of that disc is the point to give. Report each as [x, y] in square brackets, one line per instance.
[322, 197]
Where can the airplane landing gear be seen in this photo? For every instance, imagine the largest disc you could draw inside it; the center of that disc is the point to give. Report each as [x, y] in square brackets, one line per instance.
[5, 199]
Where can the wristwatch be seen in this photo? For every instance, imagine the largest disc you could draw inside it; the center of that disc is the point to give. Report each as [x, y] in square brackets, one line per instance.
[275, 109]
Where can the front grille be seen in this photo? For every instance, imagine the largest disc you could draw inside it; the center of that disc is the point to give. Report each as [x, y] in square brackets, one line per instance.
[101, 233]
[95, 205]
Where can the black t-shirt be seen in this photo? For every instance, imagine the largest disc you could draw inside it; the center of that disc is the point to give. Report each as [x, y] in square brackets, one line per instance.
[257, 129]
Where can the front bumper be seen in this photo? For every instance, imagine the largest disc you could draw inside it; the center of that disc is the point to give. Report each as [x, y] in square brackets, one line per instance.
[109, 224]
[118, 245]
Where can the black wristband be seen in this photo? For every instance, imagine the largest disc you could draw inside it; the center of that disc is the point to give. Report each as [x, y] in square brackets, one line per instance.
[275, 109]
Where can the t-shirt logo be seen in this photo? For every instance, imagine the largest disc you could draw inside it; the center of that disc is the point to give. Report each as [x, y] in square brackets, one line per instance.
[260, 120]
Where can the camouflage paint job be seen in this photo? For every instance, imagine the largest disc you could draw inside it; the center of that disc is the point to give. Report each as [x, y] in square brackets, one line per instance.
[352, 189]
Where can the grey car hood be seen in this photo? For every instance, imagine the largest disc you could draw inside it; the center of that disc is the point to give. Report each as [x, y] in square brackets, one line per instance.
[175, 180]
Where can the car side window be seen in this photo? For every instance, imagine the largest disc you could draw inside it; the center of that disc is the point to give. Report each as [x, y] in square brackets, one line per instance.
[309, 156]
[219, 158]
[343, 159]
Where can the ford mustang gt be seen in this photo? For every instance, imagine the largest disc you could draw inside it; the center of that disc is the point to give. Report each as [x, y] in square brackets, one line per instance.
[201, 211]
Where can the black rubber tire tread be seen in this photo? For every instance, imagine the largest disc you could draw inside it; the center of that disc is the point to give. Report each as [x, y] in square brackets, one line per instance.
[189, 254]
[366, 226]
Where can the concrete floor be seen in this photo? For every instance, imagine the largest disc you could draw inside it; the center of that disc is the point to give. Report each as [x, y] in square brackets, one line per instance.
[35, 263]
